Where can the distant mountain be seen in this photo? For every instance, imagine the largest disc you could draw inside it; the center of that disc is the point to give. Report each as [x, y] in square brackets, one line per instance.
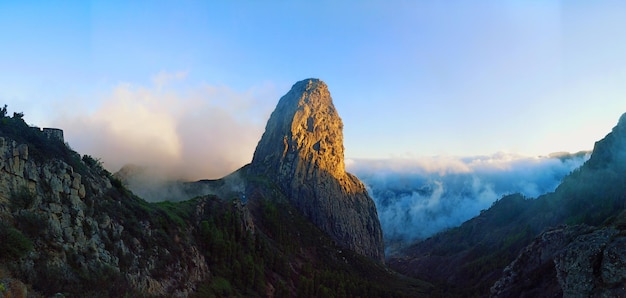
[471, 258]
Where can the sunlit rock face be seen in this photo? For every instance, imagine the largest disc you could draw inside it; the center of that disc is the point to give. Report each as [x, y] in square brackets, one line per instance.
[302, 152]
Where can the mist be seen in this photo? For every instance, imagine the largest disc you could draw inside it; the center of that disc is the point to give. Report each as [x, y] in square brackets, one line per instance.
[153, 187]
[173, 130]
[417, 198]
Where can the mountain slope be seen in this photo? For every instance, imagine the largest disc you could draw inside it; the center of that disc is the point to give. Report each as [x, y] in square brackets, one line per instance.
[476, 253]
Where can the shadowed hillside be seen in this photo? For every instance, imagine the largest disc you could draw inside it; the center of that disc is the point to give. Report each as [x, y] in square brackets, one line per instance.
[472, 257]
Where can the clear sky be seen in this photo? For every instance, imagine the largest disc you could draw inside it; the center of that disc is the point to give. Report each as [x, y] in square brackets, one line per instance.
[409, 78]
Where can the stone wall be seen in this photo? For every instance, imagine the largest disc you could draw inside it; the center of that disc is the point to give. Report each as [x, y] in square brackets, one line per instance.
[54, 133]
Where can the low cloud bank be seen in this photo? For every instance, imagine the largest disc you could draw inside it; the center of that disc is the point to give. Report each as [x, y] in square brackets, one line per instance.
[417, 198]
[155, 188]
[175, 130]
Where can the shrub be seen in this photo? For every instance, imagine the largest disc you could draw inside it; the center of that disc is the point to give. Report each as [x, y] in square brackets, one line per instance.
[13, 244]
[95, 164]
[22, 199]
[117, 183]
[221, 287]
[32, 223]
[92, 162]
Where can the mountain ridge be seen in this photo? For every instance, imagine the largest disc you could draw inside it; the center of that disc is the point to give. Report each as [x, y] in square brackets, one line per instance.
[476, 252]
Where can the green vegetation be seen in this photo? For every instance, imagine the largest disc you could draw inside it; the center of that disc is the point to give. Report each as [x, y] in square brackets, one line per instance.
[235, 256]
[13, 244]
[27, 220]
[601, 196]
[218, 287]
[93, 163]
[172, 212]
[477, 251]
[295, 257]
[22, 199]
[31, 222]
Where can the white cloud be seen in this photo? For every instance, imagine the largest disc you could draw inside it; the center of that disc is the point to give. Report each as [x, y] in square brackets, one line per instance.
[418, 197]
[200, 132]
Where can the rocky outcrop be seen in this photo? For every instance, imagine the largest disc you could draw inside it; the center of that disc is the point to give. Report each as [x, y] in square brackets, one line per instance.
[532, 272]
[302, 152]
[86, 233]
[610, 152]
[579, 265]
[568, 261]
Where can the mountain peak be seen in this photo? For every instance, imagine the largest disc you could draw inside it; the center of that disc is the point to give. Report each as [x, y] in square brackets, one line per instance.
[611, 150]
[622, 122]
[302, 152]
[304, 121]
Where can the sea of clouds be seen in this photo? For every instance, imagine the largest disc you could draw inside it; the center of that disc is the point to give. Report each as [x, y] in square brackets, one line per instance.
[419, 197]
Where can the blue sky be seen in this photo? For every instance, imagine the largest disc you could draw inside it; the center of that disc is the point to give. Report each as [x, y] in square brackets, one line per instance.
[409, 78]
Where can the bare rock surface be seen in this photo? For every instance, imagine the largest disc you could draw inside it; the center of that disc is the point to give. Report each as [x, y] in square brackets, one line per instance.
[302, 152]
[77, 232]
[568, 261]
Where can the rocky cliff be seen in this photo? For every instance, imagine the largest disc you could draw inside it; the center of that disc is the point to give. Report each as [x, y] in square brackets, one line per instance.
[610, 152]
[84, 234]
[302, 152]
[568, 261]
